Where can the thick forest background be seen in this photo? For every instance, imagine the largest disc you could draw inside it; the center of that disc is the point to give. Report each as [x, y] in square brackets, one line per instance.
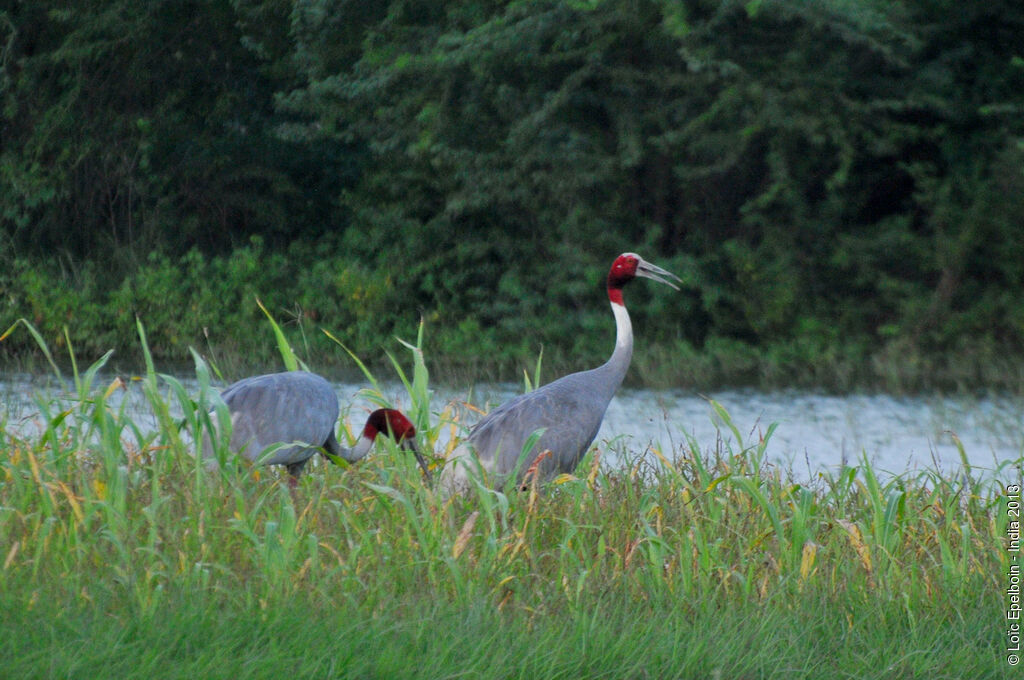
[839, 183]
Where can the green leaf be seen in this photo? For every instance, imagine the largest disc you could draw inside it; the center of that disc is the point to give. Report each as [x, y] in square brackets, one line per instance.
[291, 360]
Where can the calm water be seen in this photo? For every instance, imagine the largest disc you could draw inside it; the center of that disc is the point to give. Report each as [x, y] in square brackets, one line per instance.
[815, 431]
[819, 431]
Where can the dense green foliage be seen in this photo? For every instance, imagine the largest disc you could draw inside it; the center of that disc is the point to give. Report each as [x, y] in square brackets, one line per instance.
[124, 557]
[839, 183]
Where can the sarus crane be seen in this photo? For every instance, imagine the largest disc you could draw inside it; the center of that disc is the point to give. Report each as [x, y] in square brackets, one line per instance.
[300, 409]
[566, 413]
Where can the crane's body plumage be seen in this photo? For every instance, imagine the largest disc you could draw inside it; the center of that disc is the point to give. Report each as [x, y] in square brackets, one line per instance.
[299, 411]
[282, 408]
[569, 410]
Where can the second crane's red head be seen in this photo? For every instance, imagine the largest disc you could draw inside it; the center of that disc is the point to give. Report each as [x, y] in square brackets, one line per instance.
[627, 267]
[388, 421]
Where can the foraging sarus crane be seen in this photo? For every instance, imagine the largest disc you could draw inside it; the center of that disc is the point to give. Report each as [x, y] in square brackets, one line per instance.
[301, 408]
[568, 410]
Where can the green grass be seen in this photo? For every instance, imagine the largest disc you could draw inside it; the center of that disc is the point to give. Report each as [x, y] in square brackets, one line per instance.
[415, 637]
[120, 556]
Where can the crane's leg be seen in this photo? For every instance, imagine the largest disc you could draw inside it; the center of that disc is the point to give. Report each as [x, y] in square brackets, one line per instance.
[294, 471]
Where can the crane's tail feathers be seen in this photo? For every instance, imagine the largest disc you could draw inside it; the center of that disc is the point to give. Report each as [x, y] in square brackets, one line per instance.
[463, 470]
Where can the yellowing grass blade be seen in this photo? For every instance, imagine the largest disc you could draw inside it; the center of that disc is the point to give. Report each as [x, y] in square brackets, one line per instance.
[595, 467]
[661, 457]
[857, 541]
[715, 482]
[115, 384]
[76, 507]
[465, 533]
[11, 554]
[807, 558]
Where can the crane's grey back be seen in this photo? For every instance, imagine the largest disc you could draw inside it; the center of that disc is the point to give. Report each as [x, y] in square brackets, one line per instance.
[280, 408]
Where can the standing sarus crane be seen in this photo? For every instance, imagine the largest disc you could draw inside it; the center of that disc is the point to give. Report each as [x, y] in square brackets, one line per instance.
[300, 409]
[568, 411]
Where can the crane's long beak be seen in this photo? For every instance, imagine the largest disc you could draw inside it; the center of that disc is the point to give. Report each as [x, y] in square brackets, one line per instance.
[650, 271]
[411, 445]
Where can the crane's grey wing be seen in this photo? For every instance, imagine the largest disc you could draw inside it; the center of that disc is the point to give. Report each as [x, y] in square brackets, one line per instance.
[281, 408]
[568, 412]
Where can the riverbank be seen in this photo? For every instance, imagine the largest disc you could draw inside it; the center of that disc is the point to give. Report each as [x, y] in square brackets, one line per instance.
[656, 364]
[219, 307]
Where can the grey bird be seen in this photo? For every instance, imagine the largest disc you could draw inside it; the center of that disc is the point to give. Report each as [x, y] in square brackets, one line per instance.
[300, 409]
[567, 413]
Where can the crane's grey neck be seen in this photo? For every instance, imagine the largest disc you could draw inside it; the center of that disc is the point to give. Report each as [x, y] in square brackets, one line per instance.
[359, 451]
[618, 364]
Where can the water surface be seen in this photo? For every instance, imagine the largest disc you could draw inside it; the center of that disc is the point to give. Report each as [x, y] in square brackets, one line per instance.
[818, 431]
[815, 431]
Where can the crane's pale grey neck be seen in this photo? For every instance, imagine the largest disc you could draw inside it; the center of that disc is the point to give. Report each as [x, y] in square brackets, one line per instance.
[359, 451]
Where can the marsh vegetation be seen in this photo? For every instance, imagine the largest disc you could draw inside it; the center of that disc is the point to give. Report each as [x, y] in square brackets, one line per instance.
[125, 557]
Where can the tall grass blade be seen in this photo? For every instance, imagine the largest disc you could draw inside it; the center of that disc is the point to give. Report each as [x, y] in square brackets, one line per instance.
[528, 384]
[726, 419]
[362, 367]
[291, 360]
[419, 389]
[37, 336]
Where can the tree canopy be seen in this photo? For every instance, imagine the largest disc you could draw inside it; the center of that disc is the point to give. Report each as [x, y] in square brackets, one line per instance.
[830, 172]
